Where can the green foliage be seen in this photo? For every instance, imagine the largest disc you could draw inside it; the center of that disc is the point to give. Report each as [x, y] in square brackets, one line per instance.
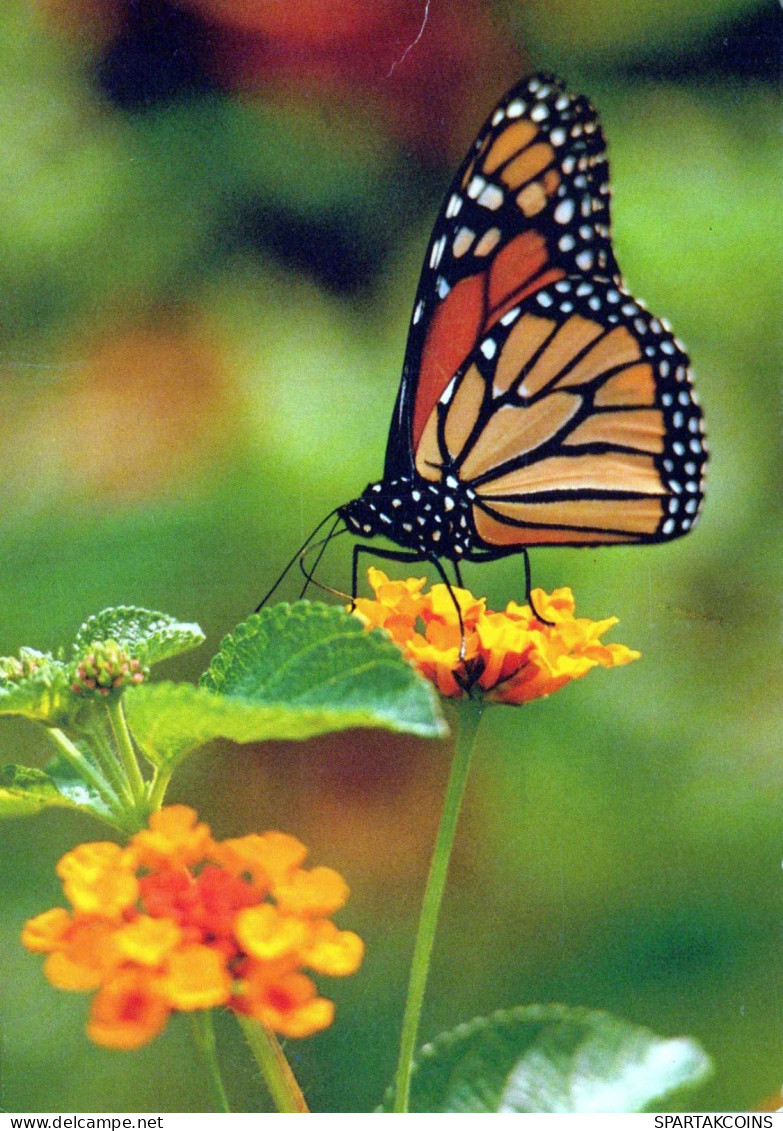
[48, 689]
[287, 673]
[36, 686]
[552, 1058]
[25, 791]
[147, 636]
[312, 658]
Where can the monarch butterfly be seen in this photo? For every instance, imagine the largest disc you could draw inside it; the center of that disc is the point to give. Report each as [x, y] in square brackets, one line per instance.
[540, 402]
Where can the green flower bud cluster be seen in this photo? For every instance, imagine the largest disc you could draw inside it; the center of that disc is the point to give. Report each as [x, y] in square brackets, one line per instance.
[28, 663]
[107, 668]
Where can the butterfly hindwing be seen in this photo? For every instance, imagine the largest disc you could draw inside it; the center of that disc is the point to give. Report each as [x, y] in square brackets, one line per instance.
[528, 206]
[574, 421]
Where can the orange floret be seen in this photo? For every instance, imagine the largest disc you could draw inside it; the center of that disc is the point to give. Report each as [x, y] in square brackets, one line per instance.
[509, 657]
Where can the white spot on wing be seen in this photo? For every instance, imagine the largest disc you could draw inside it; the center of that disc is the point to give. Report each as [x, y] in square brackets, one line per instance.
[564, 211]
[437, 252]
[475, 187]
[448, 392]
[463, 241]
[491, 198]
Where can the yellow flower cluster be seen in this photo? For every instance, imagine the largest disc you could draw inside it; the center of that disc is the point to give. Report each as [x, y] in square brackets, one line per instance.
[508, 657]
[179, 921]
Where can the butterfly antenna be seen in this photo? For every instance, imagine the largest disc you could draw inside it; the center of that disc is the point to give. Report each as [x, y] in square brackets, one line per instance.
[321, 548]
[302, 550]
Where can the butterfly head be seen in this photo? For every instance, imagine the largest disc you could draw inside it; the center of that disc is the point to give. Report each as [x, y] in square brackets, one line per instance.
[428, 518]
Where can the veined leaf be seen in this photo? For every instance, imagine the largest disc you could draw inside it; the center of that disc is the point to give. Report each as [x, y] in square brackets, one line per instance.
[24, 791]
[147, 636]
[312, 657]
[552, 1058]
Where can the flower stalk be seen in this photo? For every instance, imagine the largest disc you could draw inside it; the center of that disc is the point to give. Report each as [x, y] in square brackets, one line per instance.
[127, 753]
[470, 712]
[204, 1037]
[106, 756]
[282, 1084]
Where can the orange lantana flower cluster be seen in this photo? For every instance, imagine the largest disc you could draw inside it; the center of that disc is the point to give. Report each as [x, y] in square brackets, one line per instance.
[179, 921]
[508, 657]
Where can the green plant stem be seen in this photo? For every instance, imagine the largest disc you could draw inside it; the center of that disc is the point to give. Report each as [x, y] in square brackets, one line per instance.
[125, 746]
[470, 711]
[270, 1058]
[84, 769]
[204, 1036]
[158, 786]
[106, 756]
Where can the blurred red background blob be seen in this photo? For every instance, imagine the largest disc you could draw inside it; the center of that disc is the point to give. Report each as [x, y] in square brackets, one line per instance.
[424, 70]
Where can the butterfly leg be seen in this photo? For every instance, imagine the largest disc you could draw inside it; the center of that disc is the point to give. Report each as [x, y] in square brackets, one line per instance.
[528, 592]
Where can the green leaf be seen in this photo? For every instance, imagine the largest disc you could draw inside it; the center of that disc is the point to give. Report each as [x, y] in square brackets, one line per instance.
[314, 657]
[552, 1058]
[74, 791]
[147, 636]
[36, 686]
[170, 720]
[24, 791]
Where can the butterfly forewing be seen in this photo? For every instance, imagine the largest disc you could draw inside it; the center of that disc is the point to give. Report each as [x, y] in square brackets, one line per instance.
[528, 206]
[574, 421]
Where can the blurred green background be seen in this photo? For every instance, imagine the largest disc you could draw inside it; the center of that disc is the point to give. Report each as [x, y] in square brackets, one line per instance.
[212, 223]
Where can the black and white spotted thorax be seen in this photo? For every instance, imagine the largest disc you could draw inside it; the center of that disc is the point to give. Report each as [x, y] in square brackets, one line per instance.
[427, 518]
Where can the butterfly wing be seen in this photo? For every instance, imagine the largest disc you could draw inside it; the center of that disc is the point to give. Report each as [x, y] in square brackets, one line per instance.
[528, 206]
[573, 422]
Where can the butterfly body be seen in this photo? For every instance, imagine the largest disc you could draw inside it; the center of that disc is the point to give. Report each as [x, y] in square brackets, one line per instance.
[429, 519]
[540, 402]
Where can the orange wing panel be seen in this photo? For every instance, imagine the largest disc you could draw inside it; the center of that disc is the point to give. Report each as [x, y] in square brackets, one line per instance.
[498, 533]
[452, 335]
[516, 265]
